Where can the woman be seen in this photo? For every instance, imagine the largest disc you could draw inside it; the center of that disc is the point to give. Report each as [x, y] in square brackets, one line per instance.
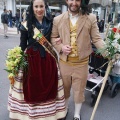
[17, 18]
[39, 96]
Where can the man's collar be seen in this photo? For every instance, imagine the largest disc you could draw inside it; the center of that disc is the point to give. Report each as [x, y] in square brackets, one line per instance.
[72, 16]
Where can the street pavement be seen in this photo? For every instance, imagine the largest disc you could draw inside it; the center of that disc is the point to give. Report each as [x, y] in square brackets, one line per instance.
[108, 109]
[11, 31]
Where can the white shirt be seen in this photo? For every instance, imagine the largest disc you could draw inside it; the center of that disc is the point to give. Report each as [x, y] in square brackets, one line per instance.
[74, 18]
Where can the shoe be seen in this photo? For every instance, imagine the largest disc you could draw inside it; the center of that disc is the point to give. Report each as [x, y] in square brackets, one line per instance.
[75, 118]
[5, 36]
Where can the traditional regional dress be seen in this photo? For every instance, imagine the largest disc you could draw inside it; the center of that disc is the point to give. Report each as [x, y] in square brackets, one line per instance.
[73, 68]
[39, 94]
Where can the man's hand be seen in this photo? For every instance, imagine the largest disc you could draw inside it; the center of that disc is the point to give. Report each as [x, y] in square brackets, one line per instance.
[66, 49]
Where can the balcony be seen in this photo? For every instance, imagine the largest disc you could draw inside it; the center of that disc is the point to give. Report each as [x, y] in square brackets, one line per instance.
[101, 2]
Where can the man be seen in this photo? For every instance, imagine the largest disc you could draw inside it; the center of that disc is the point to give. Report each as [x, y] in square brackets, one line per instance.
[76, 29]
[10, 18]
[4, 20]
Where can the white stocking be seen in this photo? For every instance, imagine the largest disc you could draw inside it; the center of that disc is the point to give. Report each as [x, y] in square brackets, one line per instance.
[77, 110]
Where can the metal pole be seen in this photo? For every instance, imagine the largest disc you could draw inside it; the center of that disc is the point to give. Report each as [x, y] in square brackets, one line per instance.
[20, 11]
[114, 7]
[4, 5]
[105, 19]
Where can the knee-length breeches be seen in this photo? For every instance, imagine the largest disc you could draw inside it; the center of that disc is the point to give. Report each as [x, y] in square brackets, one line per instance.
[75, 77]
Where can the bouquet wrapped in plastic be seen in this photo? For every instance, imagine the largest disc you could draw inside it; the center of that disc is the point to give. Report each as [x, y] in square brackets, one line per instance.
[112, 44]
[15, 61]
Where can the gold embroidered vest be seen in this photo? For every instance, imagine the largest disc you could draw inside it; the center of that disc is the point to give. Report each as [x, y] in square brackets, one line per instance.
[73, 57]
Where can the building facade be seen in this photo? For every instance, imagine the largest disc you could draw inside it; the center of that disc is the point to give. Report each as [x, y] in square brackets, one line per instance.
[2, 6]
[55, 5]
[9, 5]
[23, 4]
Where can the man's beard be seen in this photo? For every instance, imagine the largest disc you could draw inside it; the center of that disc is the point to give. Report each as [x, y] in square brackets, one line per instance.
[74, 11]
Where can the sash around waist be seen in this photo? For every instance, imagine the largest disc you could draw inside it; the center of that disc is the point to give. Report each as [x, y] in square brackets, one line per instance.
[76, 61]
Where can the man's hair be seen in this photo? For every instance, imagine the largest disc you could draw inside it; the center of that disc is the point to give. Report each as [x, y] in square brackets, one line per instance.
[84, 6]
[4, 10]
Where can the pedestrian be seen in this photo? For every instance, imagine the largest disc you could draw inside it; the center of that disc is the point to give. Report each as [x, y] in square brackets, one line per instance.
[10, 18]
[40, 95]
[102, 26]
[4, 20]
[109, 18]
[98, 22]
[17, 18]
[77, 29]
[24, 15]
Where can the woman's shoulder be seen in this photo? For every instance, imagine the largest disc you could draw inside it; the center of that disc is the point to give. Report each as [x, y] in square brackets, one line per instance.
[23, 26]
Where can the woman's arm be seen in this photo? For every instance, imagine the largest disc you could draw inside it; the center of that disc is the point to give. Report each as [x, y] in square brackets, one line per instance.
[23, 38]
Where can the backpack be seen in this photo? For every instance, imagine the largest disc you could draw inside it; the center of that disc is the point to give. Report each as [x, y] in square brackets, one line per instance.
[4, 18]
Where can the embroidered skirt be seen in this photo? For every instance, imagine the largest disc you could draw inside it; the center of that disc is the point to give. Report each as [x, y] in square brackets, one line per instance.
[21, 110]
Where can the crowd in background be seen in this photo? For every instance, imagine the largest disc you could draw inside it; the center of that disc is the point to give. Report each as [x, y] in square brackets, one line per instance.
[8, 20]
[11, 20]
[15, 20]
[100, 24]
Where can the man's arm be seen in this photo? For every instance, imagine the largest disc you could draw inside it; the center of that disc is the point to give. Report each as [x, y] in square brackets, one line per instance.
[57, 42]
[55, 35]
[95, 35]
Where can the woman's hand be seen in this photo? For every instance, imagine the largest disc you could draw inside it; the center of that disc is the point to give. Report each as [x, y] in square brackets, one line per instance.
[58, 41]
[66, 49]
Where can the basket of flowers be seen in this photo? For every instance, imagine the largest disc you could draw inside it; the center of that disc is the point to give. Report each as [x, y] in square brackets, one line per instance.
[16, 61]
